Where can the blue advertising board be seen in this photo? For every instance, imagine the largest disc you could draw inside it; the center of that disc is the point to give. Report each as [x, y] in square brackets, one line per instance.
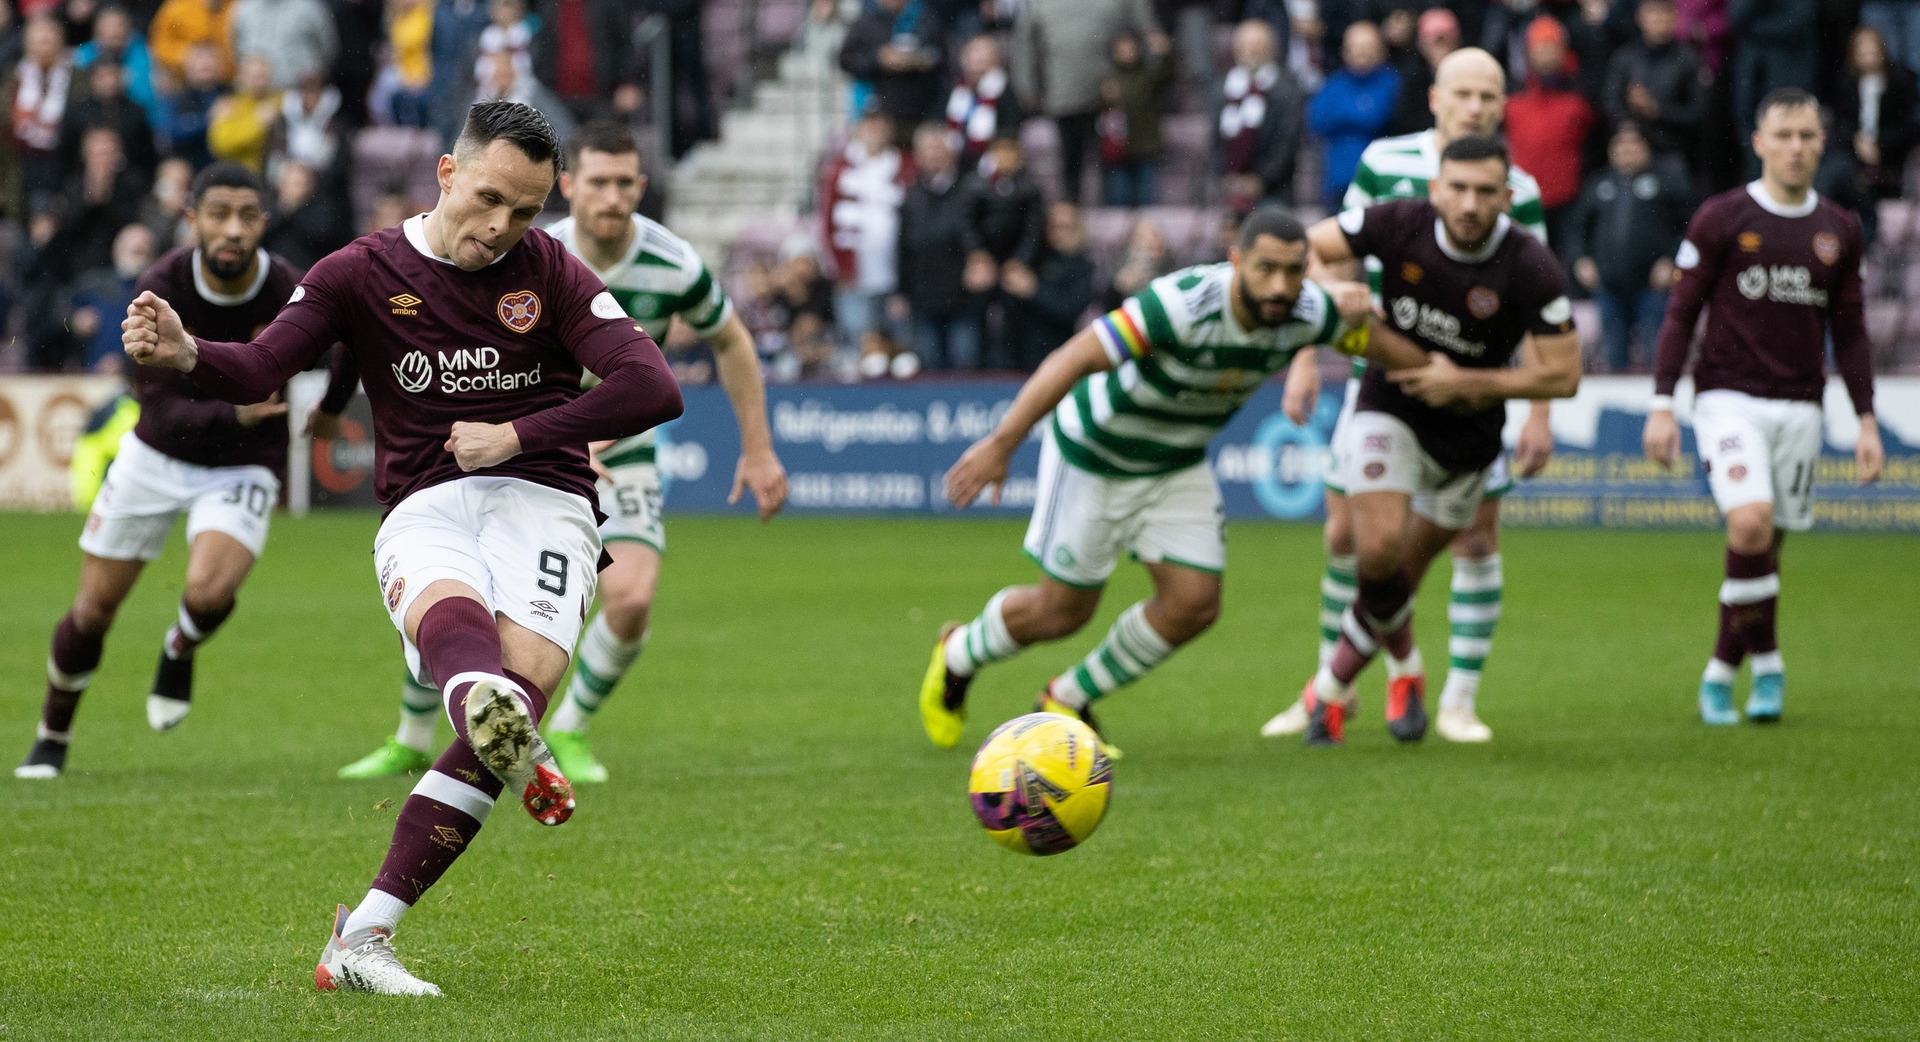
[882, 448]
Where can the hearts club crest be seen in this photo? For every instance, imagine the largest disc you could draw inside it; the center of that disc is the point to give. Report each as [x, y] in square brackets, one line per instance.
[519, 311]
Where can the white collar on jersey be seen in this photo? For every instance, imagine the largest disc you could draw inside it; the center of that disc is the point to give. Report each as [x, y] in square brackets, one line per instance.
[1777, 209]
[1500, 229]
[262, 264]
[569, 236]
[416, 229]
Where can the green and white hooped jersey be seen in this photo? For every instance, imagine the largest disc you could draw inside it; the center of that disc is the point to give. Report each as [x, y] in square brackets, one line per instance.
[1182, 367]
[1401, 167]
[661, 276]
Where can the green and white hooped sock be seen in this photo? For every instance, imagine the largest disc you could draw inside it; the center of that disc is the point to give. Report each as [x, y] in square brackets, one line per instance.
[983, 641]
[1338, 588]
[1130, 649]
[419, 715]
[1473, 611]
[599, 663]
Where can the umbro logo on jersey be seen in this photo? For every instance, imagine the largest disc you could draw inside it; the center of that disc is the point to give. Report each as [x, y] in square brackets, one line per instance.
[404, 304]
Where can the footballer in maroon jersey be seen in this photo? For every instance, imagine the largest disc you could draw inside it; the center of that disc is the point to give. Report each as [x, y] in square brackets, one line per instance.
[1488, 303]
[470, 332]
[220, 463]
[1778, 270]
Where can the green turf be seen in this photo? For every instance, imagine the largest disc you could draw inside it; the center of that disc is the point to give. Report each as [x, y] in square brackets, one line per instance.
[781, 855]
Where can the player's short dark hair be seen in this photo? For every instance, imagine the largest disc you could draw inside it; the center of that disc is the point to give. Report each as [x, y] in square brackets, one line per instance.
[227, 174]
[521, 125]
[1474, 148]
[1783, 98]
[1274, 220]
[601, 135]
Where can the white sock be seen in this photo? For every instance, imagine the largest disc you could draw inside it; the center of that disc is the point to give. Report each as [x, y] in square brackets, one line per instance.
[1328, 688]
[983, 641]
[1401, 667]
[419, 715]
[379, 910]
[599, 664]
[1719, 672]
[1767, 662]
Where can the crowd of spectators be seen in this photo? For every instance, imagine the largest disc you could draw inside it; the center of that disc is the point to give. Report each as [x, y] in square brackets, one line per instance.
[954, 216]
[113, 105]
[1627, 113]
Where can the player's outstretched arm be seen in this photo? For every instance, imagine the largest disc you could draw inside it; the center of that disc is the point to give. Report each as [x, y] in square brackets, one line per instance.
[1302, 389]
[1549, 368]
[759, 470]
[1328, 244]
[984, 464]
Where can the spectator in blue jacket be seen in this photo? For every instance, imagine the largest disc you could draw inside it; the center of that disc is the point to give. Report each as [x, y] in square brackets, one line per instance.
[1354, 107]
[115, 39]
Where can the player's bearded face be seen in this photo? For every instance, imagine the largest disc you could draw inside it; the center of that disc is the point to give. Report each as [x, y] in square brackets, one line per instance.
[1470, 197]
[488, 199]
[1269, 276]
[227, 226]
[603, 191]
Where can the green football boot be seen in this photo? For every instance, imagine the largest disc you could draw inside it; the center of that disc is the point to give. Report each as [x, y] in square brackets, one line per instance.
[576, 760]
[390, 759]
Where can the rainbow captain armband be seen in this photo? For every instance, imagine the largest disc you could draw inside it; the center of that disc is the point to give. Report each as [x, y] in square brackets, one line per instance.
[1121, 335]
[1354, 341]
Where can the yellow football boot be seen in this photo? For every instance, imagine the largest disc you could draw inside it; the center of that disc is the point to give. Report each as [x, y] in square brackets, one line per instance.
[1046, 703]
[943, 696]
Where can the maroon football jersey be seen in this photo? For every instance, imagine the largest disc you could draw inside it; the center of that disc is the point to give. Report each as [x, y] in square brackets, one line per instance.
[435, 344]
[1474, 308]
[177, 417]
[1777, 279]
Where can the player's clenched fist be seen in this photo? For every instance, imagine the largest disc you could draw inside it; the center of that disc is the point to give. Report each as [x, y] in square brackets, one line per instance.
[152, 334]
[478, 445]
[1661, 438]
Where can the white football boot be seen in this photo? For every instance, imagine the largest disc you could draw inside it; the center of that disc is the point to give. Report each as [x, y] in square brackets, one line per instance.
[165, 714]
[372, 966]
[1458, 724]
[505, 739]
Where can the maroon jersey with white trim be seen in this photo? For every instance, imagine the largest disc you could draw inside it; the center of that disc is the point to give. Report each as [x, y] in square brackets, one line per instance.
[1775, 280]
[1474, 308]
[177, 417]
[435, 345]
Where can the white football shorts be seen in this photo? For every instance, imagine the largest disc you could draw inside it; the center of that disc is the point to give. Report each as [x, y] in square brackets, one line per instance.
[632, 502]
[1499, 476]
[532, 552]
[145, 489]
[1386, 457]
[1760, 450]
[1081, 521]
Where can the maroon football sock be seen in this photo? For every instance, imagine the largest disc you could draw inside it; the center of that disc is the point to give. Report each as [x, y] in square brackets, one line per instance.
[1386, 606]
[1729, 645]
[1751, 596]
[69, 670]
[193, 629]
[457, 637]
[431, 832]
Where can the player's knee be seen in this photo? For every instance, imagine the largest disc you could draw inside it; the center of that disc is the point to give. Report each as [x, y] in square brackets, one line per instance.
[1750, 533]
[1199, 614]
[1378, 552]
[627, 616]
[1339, 537]
[206, 596]
[92, 616]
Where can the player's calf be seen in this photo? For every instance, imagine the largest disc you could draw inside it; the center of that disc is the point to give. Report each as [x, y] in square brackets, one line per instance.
[75, 655]
[172, 693]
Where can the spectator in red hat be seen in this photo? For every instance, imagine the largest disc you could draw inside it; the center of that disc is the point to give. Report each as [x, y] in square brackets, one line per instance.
[1548, 122]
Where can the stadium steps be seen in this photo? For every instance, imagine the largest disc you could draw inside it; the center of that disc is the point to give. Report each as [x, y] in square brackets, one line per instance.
[762, 168]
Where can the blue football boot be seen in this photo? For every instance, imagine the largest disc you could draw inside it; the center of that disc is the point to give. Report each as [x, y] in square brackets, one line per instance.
[1767, 700]
[1716, 704]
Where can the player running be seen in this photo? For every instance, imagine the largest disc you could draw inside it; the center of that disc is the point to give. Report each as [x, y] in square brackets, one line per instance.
[470, 334]
[219, 463]
[1780, 267]
[1468, 98]
[1461, 280]
[1135, 399]
[654, 275]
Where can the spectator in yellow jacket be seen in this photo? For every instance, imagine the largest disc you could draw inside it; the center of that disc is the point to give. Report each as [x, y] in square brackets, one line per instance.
[180, 24]
[241, 125]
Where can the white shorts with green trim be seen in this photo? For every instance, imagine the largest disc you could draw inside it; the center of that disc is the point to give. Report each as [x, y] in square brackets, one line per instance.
[145, 489]
[528, 550]
[1081, 521]
[1387, 457]
[1759, 450]
[632, 504]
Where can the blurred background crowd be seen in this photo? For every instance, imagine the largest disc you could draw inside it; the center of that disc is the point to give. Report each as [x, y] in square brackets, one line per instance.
[989, 173]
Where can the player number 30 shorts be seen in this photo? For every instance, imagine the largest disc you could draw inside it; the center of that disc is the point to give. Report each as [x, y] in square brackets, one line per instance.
[145, 489]
[530, 551]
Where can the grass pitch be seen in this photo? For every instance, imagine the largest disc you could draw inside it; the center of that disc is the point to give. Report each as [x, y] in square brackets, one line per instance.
[781, 855]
